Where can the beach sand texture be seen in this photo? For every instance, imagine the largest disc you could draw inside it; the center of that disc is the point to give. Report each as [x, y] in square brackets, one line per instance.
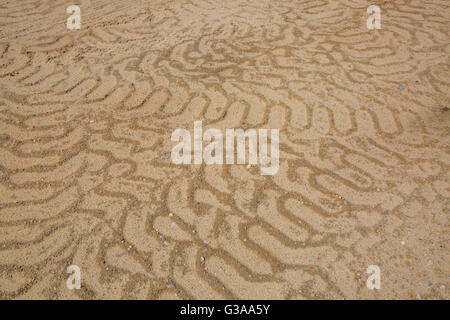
[86, 177]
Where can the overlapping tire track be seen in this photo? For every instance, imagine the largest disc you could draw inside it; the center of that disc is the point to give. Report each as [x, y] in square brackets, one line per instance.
[85, 124]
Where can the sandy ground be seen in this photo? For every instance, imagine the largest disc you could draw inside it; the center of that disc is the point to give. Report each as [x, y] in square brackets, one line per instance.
[85, 124]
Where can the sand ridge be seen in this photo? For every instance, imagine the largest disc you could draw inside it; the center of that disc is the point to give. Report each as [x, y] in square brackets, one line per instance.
[85, 124]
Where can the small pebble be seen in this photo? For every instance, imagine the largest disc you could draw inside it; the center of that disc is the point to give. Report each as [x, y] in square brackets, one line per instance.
[430, 284]
[442, 287]
[202, 259]
[430, 262]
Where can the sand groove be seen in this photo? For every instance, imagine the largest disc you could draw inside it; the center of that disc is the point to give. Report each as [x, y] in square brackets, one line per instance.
[85, 124]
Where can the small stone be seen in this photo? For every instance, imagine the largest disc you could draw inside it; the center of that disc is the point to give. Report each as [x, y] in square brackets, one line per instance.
[442, 287]
[166, 243]
[170, 214]
[430, 284]
[202, 259]
[430, 262]
[174, 224]
[419, 296]
[403, 243]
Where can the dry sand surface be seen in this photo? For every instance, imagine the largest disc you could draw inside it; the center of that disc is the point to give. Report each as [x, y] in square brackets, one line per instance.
[86, 177]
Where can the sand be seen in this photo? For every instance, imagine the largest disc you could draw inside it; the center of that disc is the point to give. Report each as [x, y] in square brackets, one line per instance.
[86, 177]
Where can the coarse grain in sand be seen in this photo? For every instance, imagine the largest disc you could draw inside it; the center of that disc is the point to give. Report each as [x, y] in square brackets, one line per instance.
[85, 172]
